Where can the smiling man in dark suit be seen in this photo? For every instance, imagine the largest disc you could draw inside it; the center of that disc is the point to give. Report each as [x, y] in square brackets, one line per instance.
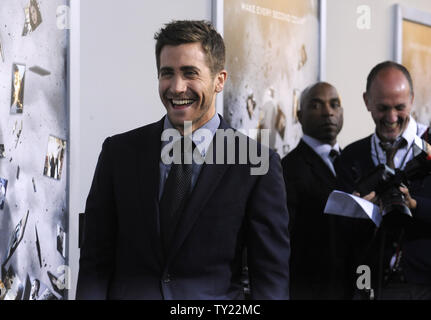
[162, 230]
[310, 177]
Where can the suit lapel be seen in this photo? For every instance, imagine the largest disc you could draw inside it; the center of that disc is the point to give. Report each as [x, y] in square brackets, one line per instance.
[318, 166]
[368, 163]
[363, 162]
[209, 178]
[149, 178]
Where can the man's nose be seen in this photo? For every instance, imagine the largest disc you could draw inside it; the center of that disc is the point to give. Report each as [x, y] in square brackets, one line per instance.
[327, 109]
[391, 115]
[178, 85]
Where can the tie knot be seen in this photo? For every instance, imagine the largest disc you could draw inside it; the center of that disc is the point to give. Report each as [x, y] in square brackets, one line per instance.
[333, 154]
[181, 150]
[391, 149]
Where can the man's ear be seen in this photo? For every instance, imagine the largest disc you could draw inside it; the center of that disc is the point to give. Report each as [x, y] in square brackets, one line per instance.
[299, 115]
[220, 81]
[366, 100]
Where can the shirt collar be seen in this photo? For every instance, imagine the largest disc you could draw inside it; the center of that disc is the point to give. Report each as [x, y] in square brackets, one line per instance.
[320, 147]
[413, 129]
[199, 139]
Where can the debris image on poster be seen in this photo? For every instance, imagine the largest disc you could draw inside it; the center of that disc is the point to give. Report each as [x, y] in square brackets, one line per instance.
[251, 105]
[39, 255]
[56, 283]
[13, 285]
[3, 188]
[33, 17]
[16, 238]
[39, 70]
[2, 151]
[1, 50]
[296, 98]
[54, 157]
[18, 132]
[36, 290]
[61, 241]
[35, 286]
[17, 97]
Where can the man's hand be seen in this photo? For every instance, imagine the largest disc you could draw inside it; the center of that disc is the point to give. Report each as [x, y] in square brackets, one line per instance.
[410, 202]
[372, 197]
[428, 149]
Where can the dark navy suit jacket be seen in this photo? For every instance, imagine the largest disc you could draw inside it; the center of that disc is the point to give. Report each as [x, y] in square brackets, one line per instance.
[315, 268]
[229, 209]
[355, 162]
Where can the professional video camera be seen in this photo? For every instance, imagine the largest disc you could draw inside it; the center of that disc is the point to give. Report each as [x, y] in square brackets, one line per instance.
[386, 182]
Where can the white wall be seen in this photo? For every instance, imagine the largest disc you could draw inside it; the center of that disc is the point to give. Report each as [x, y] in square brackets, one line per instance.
[114, 84]
[351, 53]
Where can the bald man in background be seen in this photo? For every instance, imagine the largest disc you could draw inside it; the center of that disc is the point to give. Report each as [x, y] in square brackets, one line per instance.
[400, 262]
[316, 271]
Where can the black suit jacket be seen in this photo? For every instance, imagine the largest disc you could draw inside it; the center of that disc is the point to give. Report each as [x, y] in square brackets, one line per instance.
[363, 242]
[229, 209]
[315, 268]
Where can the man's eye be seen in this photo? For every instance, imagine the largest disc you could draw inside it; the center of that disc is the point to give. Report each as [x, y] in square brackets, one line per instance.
[190, 73]
[165, 74]
[335, 105]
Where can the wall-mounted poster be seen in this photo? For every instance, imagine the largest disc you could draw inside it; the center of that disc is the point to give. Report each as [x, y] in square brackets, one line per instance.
[413, 50]
[273, 51]
[33, 113]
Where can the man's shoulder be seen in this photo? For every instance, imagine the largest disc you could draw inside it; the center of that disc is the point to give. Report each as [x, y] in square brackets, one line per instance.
[237, 137]
[427, 135]
[358, 148]
[138, 135]
[294, 156]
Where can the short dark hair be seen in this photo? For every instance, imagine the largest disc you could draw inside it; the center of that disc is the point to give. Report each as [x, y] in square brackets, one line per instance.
[306, 92]
[180, 32]
[387, 65]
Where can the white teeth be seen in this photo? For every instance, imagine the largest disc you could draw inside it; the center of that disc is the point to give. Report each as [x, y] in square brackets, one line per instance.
[391, 125]
[182, 102]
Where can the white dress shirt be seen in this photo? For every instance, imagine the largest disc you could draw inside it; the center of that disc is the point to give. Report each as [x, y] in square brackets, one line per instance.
[404, 154]
[322, 149]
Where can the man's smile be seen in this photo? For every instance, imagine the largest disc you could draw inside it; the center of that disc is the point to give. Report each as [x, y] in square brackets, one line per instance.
[389, 125]
[181, 103]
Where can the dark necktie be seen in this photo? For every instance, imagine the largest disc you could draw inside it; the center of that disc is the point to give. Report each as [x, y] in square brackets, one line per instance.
[391, 150]
[392, 236]
[333, 154]
[174, 198]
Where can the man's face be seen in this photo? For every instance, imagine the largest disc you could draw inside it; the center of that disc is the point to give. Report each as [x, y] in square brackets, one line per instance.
[321, 114]
[186, 86]
[390, 101]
